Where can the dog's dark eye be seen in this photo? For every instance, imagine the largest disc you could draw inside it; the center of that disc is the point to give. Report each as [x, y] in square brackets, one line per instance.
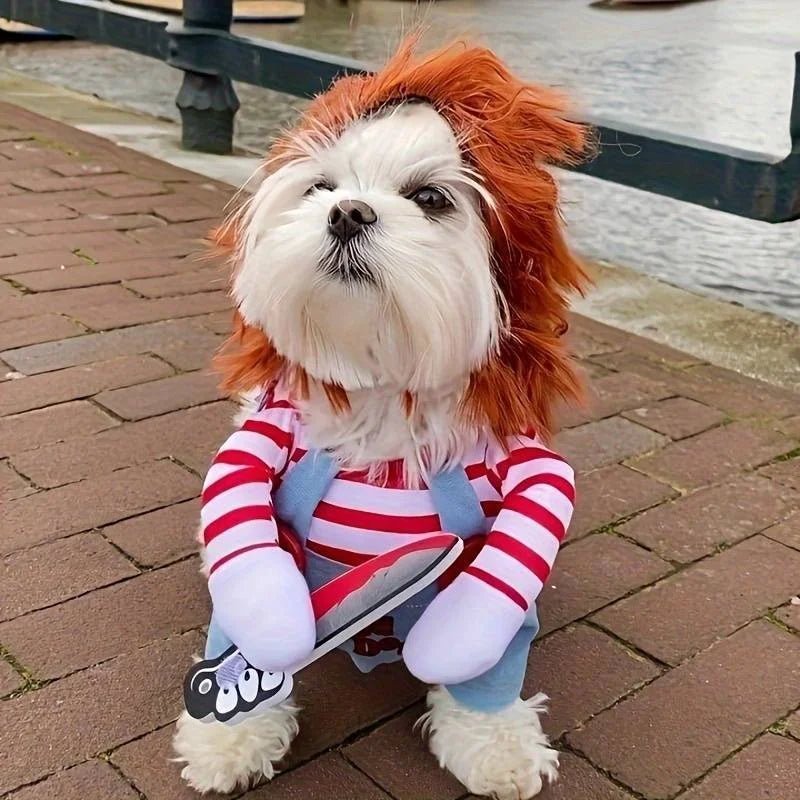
[429, 198]
[321, 186]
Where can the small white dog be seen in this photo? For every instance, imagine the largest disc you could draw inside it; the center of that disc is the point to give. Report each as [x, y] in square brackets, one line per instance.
[401, 280]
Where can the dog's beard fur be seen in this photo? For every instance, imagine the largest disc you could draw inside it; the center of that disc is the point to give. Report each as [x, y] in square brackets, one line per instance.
[407, 308]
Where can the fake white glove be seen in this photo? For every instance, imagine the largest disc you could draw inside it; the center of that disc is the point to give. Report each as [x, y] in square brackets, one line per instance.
[261, 601]
[462, 633]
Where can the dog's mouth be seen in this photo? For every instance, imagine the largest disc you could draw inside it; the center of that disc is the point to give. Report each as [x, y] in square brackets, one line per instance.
[347, 263]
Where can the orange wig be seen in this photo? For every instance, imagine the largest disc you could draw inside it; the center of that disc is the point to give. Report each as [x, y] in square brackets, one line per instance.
[509, 131]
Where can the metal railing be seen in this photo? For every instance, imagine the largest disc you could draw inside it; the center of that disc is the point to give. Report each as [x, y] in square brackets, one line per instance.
[741, 182]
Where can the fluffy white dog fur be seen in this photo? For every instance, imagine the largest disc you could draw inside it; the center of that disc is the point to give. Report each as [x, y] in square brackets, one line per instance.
[410, 305]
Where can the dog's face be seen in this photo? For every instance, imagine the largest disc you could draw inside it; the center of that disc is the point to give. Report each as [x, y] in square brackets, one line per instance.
[365, 259]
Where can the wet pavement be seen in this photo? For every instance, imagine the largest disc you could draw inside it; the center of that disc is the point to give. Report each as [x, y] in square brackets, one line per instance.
[714, 69]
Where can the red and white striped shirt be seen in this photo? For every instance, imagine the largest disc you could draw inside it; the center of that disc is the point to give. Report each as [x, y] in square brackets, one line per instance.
[527, 493]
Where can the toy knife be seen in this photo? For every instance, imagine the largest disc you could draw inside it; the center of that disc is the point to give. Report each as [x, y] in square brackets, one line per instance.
[228, 689]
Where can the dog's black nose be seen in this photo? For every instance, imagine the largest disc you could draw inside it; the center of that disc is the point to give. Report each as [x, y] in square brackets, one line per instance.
[348, 218]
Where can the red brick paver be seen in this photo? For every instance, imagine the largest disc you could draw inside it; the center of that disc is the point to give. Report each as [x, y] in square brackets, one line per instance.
[670, 644]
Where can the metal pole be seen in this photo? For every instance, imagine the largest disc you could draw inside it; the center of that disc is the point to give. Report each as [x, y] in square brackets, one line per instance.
[207, 102]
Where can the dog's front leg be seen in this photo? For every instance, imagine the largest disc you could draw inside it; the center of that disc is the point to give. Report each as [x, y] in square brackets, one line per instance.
[221, 758]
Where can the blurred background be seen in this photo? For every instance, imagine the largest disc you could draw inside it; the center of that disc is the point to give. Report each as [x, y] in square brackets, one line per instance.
[719, 70]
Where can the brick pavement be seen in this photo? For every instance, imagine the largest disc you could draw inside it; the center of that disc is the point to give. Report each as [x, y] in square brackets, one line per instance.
[670, 644]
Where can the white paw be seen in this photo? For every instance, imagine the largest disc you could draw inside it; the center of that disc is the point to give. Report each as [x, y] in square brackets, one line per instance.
[221, 757]
[504, 755]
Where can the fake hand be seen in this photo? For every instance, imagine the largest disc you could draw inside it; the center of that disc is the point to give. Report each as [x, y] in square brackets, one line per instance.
[462, 633]
[261, 601]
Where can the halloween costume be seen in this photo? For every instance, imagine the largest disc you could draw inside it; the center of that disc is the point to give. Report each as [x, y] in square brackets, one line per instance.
[521, 498]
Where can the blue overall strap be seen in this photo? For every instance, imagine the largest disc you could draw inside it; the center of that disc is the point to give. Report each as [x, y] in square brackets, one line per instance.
[457, 503]
[302, 489]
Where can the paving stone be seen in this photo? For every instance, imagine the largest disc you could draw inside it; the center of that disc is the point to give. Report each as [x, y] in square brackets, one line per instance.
[25, 211]
[135, 311]
[196, 232]
[148, 764]
[739, 395]
[687, 612]
[201, 279]
[713, 455]
[83, 274]
[191, 435]
[787, 532]
[358, 702]
[695, 525]
[606, 442]
[54, 572]
[322, 779]
[163, 396]
[787, 473]
[396, 758]
[109, 621]
[593, 572]
[53, 424]
[683, 723]
[578, 780]
[616, 392]
[94, 222]
[584, 340]
[66, 301]
[766, 769]
[793, 724]
[791, 427]
[125, 187]
[85, 242]
[93, 711]
[159, 537]
[32, 330]
[676, 417]
[12, 485]
[71, 168]
[84, 380]
[94, 347]
[610, 493]
[50, 515]
[582, 671]
[790, 614]
[220, 322]
[9, 679]
[189, 355]
[184, 213]
[49, 259]
[92, 780]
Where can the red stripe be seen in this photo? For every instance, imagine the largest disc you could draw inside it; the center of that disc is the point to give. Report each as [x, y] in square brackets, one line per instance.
[521, 456]
[348, 557]
[476, 471]
[496, 583]
[241, 458]
[384, 523]
[278, 436]
[537, 513]
[281, 404]
[522, 553]
[491, 508]
[226, 558]
[234, 518]
[298, 454]
[233, 479]
[556, 481]
[494, 479]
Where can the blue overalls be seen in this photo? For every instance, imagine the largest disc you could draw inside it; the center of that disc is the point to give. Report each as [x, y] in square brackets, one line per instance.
[460, 512]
